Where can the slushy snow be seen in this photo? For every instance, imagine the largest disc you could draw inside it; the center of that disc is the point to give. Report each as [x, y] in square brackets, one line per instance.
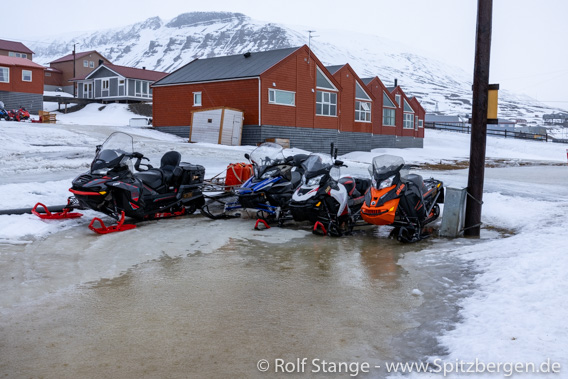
[518, 310]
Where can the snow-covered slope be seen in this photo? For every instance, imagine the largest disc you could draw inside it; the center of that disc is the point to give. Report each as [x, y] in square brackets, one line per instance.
[168, 45]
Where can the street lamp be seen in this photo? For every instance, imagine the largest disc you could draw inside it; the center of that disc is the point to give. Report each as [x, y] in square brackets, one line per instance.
[74, 72]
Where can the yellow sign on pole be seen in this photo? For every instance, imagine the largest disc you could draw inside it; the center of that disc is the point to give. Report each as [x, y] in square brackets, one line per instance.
[492, 101]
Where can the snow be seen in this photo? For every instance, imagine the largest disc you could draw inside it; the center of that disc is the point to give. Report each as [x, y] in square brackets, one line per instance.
[517, 311]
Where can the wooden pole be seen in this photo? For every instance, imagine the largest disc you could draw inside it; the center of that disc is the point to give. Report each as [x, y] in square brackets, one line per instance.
[479, 118]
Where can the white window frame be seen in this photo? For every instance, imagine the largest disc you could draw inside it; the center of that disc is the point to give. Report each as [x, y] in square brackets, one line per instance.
[397, 98]
[145, 89]
[408, 121]
[361, 114]
[105, 86]
[6, 76]
[273, 97]
[385, 116]
[331, 88]
[197, 99]
[326, 102]
[91, 64]
[24, 72]
[87, 90]
[85, 63]
[389, 109]
[420, 123]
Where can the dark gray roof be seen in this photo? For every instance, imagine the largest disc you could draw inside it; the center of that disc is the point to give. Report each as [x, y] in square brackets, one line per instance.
[391, 89]
[227, 67]
[367, 80]
[334, 69]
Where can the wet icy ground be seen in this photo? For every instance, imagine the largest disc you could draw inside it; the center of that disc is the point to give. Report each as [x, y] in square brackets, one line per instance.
[158, 302]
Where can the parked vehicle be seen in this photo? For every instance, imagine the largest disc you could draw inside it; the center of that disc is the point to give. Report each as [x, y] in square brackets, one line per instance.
[268, 191]
[22, 114]
[406, 202]
[4, 114]
[15, 114]
[112, 186]
[330, 202]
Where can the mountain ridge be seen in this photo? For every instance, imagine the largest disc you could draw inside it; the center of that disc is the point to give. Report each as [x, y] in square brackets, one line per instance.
[167, 45]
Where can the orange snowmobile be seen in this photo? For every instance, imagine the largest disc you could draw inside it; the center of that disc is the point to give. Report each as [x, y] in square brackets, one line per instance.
[406, 202]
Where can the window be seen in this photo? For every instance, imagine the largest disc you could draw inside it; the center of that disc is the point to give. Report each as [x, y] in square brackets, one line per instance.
[4, 75]
[408, 121]
[407, 107]
[408, 116]
[388, 117]
[85, 63]
[138, 85]
[397, 98]
[91, 64]
[420, 123]
[105, 84]
[48, 74]
[144, 89]
[389, 111]
[363, 111]
[276, 96]
[197, 99]
[17, 55]
[326, 103]
[322, 81]
[26, 76]
[362, 108]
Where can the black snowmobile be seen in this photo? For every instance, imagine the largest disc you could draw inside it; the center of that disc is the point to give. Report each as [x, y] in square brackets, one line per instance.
[112, 186]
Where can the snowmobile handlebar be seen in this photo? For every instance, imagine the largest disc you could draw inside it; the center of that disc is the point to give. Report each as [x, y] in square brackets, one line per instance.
[139, 157]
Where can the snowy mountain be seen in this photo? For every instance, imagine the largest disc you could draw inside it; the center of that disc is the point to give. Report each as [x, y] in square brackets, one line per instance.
[166, 46]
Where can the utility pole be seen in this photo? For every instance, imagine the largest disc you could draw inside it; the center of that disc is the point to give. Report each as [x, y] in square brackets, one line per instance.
[479, 118]
[74, 65]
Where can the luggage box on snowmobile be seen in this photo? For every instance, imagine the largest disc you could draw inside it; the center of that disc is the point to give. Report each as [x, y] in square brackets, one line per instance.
[191, 174]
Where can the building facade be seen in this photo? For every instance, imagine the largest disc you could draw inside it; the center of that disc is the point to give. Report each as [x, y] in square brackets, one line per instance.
[285, 93]
[21, 84]
[110, 82]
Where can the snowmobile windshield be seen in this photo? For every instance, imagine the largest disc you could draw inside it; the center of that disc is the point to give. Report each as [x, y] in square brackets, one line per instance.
[385, 166]
[114, 153]
[317, 164]
[265, 156]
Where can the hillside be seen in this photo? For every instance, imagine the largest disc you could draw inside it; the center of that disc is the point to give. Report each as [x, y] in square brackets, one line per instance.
[167, 45]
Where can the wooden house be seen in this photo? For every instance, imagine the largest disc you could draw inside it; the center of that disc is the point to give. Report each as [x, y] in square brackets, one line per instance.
[110, 82]
[21, 83]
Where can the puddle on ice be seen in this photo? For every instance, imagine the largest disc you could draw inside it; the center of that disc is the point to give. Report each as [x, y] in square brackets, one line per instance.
[194, 309]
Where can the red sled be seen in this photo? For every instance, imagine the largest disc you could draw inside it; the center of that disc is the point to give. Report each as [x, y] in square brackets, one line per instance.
[103, 229]
[47, 215]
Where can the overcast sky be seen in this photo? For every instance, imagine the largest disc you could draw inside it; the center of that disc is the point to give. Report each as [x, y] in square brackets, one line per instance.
[529, 50]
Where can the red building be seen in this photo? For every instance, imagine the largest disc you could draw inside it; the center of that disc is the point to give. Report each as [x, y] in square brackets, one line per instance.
[285, 93]
[21, 84]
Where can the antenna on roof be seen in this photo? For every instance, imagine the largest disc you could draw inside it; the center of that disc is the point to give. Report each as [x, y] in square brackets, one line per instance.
[310, 43]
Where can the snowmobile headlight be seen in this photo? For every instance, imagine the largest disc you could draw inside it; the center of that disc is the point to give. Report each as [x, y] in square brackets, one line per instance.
[387, 182]
[368, 197]
[315, 180]
[269, 174]
[101, 171]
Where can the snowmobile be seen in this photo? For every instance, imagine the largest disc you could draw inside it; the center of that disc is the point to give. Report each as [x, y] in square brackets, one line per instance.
[112, 186]
[330, 202]
[22, 114]
[268, 190]
[406, 202]
[4, 114]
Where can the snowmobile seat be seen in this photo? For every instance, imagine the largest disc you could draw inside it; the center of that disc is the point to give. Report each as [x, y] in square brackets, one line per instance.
[417, 181]
[168, 164]
[160, 178]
